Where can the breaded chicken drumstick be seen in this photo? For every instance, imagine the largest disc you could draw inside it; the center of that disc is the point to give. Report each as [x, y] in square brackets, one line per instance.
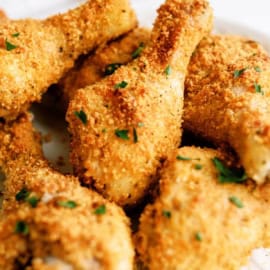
[199, 221]
[48, 220]
[227, 100]
[124, 126]
[34, 54]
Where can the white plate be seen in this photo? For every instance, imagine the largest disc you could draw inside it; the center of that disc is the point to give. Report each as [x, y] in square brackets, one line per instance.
[49, 122]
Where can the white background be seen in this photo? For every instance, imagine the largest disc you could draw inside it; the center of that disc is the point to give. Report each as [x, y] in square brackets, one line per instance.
[253, 13]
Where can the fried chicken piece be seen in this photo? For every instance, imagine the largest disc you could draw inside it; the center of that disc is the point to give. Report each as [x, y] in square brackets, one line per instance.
[101, 63]
[48, 220]
[124, 126]
[199, 223]
[34, 54]
[227, 99]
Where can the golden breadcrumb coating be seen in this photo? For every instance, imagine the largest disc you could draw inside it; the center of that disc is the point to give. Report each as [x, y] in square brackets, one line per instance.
[3, 16]
[227, 99]
[34, 54]
[48, 220]
[125, 125]
[199, 223]
[94, 67]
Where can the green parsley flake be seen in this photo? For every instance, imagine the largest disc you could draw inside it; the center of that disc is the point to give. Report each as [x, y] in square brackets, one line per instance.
[183, 158]
[238, 73]
[198, 166]
[22, 195]
[138, 51]
[122, 84]
[10, 46]
[140, 124]
[122, 134]
[67, 204]
[166, 214]
[258, 69]
[198, 236]
[82, 116]
[236, 201]
[227, 175]
[258, 88]
[104, 130]
[135, 135]
[101, 210]
[168, 70]
[186, 158]
[111, 68]
[21, 228]
[15, 34]
[33, 201]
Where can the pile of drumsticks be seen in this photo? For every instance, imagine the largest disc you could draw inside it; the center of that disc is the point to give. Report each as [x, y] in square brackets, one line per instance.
[127, 101]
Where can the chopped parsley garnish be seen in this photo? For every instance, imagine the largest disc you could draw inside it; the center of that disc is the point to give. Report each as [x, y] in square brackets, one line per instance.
[198, 166]
[15, 34]
[82, 116]
[111, 68]
[104, 130]
[198, 236]
[183, 158]
[122, 134]
[22, 228]
[258, 88]
[186, 158]
[122, 84]
[10, 46]
[33, 201]
[238, 73]
[101, 210]
[236, 201]
[166, 214]
[22, 195]
[135, 135]
[67, 204]
[168, 70]
[140, 124]
[138, 51]
[258, 69]
[228, 175]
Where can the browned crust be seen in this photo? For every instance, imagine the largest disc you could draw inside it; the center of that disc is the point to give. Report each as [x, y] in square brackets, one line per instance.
[93, 67]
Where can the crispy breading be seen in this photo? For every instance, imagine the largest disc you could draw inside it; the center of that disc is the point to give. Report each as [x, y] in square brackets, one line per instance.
[125, 125]
[67, 226]
[93, 68]
[197, 222]
[227, 99]
[3, 16]
[34, 54]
